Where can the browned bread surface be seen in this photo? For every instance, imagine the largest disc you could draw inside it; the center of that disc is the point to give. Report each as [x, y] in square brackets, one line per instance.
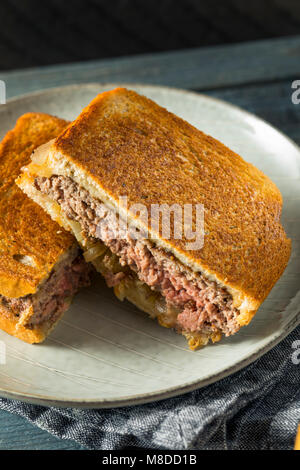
[25, 229]
[131, 146]
[9, 324]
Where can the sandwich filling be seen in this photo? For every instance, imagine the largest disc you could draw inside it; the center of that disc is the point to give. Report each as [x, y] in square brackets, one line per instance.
[53, 296]
[184, 300]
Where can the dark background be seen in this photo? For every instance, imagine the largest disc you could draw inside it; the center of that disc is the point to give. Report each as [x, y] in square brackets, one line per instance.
[37, 32]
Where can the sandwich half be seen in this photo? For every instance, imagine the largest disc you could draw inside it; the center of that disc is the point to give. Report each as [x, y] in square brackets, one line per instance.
[125, 146]
[41, 265]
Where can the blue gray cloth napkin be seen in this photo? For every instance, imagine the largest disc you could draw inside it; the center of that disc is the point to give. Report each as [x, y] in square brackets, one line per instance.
[256, 408]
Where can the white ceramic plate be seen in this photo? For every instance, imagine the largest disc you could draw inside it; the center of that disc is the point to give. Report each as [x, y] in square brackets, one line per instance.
[105, 353]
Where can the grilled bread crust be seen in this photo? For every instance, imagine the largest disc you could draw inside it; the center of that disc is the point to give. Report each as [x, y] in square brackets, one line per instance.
[27, 233]
[125, 144]
[10, 325]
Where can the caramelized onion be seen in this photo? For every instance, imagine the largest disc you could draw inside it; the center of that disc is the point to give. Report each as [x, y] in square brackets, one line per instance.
[94, 252]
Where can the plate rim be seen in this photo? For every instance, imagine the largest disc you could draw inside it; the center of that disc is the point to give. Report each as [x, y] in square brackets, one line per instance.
[144, 398]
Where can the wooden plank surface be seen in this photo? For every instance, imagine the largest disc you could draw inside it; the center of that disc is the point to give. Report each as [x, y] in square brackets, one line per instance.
[255, 76]
[98, 29]
[199, 69]
[17, 434]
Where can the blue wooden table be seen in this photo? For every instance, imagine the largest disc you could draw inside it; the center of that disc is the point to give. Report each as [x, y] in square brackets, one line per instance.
[257, 76]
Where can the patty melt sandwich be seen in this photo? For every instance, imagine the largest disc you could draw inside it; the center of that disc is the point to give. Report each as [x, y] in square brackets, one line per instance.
[40, 263]
[124, 145]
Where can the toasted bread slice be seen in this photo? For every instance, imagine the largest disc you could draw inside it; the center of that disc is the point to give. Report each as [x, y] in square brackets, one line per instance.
[32, 245]
[124, 144]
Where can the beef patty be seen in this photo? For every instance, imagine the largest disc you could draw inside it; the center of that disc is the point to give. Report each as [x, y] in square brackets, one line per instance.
[202, 304]
[53, 296]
